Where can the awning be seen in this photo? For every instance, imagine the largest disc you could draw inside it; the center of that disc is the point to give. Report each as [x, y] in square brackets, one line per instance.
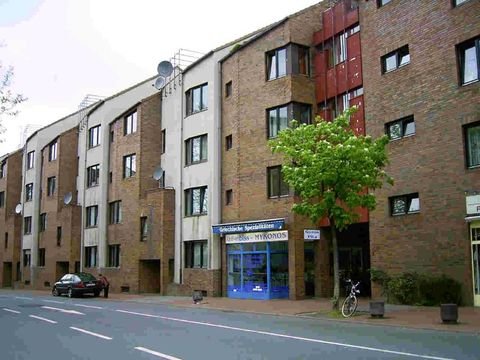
[471, 218]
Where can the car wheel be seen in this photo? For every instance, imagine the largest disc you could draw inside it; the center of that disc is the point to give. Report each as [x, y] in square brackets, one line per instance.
[55, 291]
[70, 293]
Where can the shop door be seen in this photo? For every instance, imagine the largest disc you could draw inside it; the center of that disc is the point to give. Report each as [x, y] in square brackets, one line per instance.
[475, 238]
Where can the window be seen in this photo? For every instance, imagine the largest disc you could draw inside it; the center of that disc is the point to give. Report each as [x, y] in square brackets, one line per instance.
[196, 201]
[143, 228]
[404, 204]
[228, 142]
[43, 222]
[29, 192]
[59, 235]
[110, 177]
[130, 123]
[113, 255]
[459, 2]
[41, 257]
[129, 165]
[380, 3]
[52, 151]
[2, 199]
[302, 66]
[30, 160]
[3, 169]
[229, 197]
[197, 99]
[400, 128]
[196, 149]
[51, 184]
[472, 145]
[279, 117]
[115, 212]
[161, 182]
[6, 240]
[228, 89]
[164, 139]
[469, 61]
[93, 175]
[196, 254]
[276, 63]
[92, 216]
[90, 256]
[27, 225]
[395, 59]
[94, 136]
[276, 186]
[27, 257]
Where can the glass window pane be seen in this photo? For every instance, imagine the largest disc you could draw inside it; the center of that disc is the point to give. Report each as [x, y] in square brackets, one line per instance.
[473, 142]
[399, 206]
[196, 201]
[255, 272]
[470, 67]
[409, 128]
[391, 62]
[204, 147]
[205, 201]
[302, 60]
[395, 130]
[273, 179]
[476, 267]
[204, 97]
[283, 118]
[282, 62]
[204, 255]
[196, 149]
[272, 67]
[234, 273]
[197, 254]
[196, 99]
[404, 59]
[272, 123]
[414, 205]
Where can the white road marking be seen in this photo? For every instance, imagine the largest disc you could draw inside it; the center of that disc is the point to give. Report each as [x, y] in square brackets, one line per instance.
[63, 310]
[289, 336]
[43, 319]
[156, 353]
[12, 311]
[89, 306]
[54, 301]
[23, 298]
[91, 333]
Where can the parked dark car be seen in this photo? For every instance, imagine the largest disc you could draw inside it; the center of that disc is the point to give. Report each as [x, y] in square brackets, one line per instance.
[77, 284]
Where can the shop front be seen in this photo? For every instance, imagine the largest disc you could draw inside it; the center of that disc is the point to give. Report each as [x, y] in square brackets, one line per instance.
[257, 261]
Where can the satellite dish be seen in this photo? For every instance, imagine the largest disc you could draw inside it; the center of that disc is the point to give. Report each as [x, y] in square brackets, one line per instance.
[159, 83]
[67, 198]
[18, 208]
[158, 174]
[165, 68]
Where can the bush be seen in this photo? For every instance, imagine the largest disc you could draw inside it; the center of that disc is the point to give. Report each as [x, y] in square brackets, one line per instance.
[404, 288]
[380, 277]
[436, 290]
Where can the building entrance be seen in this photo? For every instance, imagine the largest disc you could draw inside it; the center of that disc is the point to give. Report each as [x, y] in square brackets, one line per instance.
[475, 239]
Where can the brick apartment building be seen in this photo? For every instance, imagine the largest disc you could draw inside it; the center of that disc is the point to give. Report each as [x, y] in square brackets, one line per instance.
[219, 219]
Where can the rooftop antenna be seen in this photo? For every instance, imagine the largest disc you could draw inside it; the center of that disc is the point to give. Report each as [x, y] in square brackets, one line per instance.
[158, 174]
[67, 199]
[18, 209]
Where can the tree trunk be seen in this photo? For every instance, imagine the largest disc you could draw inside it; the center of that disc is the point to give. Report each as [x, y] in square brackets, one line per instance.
[336, 273]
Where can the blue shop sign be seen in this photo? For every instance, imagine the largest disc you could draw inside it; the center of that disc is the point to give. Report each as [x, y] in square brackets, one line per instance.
[254, 226]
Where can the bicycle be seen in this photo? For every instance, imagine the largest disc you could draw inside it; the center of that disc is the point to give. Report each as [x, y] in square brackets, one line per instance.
[350, 303]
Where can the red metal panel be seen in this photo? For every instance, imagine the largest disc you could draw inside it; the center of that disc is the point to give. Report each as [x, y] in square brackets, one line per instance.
[317, 38]
[357, 120]
[339, 14]
[351, 18]
[327, 24]
[341, 70]
[353, 46]
[320, 67]
[331, 83]
[325, 114]
[355, 79]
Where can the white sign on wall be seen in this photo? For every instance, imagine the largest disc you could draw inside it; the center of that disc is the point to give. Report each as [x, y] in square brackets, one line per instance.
[281, 235]
[309, 234]
[473, 204]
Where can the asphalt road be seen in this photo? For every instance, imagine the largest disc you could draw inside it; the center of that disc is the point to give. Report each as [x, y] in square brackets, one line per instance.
[45, 327]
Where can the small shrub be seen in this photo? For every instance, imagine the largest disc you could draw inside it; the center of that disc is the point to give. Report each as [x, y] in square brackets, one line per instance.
[436, 290]
[380, 277]
[404, 288]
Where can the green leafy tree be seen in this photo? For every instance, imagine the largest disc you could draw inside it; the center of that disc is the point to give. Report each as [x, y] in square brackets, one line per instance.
[8, 100]
[332, 171]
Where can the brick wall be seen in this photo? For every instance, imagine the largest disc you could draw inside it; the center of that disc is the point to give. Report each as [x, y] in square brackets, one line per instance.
[432, 162]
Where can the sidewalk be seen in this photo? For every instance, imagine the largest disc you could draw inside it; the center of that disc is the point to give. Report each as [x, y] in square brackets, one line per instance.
[419, 317]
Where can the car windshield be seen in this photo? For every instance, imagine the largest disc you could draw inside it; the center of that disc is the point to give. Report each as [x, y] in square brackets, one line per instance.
[86, 277]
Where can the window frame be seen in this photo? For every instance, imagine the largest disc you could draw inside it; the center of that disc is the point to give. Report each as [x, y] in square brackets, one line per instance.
[115, 212]
[132, 159]
[228, 142]
[91, 253]
[203, 151]
[456, 4]
[91, 218]
[41, 257]
[190, 260]
[273, 56]
[468, 159]
[292, 110]
[281, 184]
[51, 185]
[403, 122]
[94, 136]
[190, 99]
[461, 49]
[27, 225]
[27, 257]
[28, 192]
[2, 199]
[3, 169]
[164, 139]
[114, 255]
[130, 123]
[398, 54]
[381, 3]
[144, 230]
[228, 89]
[228, 197]
[43, 222]
[53, 150]
[59, 236]
[407, 198]
[30, 160]
[189, 201]
[93, 175]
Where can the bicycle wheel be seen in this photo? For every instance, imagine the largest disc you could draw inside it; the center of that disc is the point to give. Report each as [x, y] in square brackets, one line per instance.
[349, 306]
